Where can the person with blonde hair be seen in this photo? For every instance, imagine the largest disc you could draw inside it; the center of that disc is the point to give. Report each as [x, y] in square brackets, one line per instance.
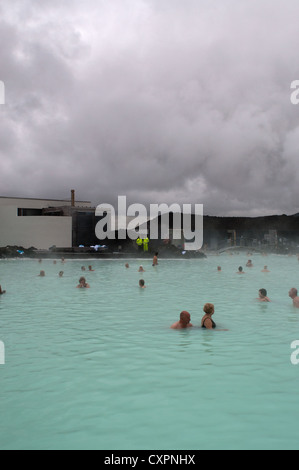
[207, 321]
[265, 270]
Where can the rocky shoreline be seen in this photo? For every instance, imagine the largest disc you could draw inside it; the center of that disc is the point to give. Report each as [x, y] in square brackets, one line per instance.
[17, 252]
[170, 252]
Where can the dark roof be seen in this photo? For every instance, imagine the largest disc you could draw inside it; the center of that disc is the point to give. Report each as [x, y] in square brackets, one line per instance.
[42, 199]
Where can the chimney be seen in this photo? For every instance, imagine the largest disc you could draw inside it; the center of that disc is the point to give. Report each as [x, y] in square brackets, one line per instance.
[73, 197]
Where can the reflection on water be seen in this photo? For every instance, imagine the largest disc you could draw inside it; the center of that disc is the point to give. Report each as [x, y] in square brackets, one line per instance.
[185, 339]
[263, 306]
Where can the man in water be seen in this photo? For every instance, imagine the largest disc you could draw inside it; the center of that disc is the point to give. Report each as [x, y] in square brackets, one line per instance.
[184, 322]
[240, 270]
[142, 284]
[155, 260]
[293, 294]
[265, 270]
[263, 296]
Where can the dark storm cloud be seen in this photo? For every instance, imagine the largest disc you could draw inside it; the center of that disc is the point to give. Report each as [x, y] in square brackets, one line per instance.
[163, 101]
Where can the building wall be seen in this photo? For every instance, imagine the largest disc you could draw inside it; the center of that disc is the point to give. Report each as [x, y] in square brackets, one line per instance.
[41, 232]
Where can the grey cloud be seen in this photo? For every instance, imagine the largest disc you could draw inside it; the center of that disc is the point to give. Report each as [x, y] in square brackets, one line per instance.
[162, 101]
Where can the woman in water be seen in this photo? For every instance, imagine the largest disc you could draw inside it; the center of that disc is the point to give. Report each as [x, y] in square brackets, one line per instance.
[207, 321]
[83, 284]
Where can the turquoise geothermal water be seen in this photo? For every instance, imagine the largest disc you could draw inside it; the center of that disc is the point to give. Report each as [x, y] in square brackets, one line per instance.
[101, 369]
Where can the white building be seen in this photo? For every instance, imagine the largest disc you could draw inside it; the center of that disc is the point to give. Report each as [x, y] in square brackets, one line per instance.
[23, 222]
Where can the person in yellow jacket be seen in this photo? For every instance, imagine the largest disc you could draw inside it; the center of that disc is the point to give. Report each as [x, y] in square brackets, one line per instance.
[145, 244]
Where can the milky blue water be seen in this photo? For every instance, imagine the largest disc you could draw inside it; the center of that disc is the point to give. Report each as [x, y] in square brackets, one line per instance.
[101, 369]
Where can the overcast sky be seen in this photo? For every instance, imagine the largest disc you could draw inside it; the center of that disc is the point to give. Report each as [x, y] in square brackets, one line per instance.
[174, 101]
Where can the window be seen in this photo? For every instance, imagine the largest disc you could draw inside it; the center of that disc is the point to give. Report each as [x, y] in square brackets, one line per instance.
[29, 212]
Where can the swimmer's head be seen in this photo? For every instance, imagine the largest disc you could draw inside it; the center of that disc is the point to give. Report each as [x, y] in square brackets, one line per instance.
[185, 317]
[209, 309]
[293, 293]
[263, 293]
[240, 269]
[219, 268]
[82, 280]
